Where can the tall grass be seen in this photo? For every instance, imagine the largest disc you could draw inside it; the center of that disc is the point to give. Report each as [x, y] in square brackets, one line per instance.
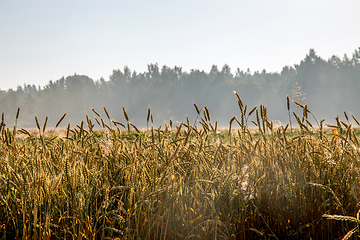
[185, 182]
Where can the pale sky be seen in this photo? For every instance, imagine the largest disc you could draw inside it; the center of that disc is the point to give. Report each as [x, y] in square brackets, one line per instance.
[42, 40]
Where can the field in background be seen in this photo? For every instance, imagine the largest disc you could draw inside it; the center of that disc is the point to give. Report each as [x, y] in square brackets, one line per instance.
[181, 182]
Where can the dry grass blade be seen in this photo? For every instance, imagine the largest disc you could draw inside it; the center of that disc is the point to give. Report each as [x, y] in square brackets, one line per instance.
[68, 130]
[187, 137]
[152, 135]
[17, 113]
[257, 231]
[346, 116]
[252, 111]
[288, 108]
[265, 112]
[89, 123]
[96, 112]
[61, 119]
[107, 114]
[212, 128]
[269, 124]
[44, 127]
[125, 115]
[178, 131]
[136, 129]
[308, 122]
[331, 126]
[298, 120]
[205, 126]
[243, 118]
[321, 124]
[355, 120]
[342, 218]
[109, 128]
[257, 118]
[350, 233]
[245, 109]
[24, 131]
[354, 139]
[97, 121]
[240, 103]
[102, 122]
[118, 123]
[338, 121]
[299, 105]
[196, 108]
[37, 123]
[262, 112]
[55, 184]
[305, 116]
[239, 123]
[288, 103]
[207, 114]
[345, 125]
[231, 121]
[148, 115]
[328, 189]
[254, 123]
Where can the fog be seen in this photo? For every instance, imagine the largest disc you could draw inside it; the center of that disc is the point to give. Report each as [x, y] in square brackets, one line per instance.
[328, 87]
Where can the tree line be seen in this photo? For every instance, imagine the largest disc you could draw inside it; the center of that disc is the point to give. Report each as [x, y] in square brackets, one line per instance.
[328, 87]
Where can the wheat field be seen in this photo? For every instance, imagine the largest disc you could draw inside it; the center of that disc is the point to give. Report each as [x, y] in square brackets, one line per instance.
[189, 181]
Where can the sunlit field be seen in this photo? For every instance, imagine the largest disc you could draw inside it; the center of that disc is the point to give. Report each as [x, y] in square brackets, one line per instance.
[106, 179]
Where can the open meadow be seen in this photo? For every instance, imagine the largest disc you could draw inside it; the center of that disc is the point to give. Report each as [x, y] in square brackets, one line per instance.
[189, 181]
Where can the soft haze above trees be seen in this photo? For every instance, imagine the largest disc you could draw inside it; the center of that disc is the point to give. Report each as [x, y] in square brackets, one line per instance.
[331, 86]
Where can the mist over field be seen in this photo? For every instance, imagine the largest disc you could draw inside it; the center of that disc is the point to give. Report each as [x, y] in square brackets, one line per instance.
[328, 87]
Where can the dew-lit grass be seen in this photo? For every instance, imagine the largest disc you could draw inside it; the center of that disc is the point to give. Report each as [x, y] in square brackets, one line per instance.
[180, 181]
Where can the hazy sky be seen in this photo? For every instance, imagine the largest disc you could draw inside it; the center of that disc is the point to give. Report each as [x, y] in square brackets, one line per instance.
[45, 40]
